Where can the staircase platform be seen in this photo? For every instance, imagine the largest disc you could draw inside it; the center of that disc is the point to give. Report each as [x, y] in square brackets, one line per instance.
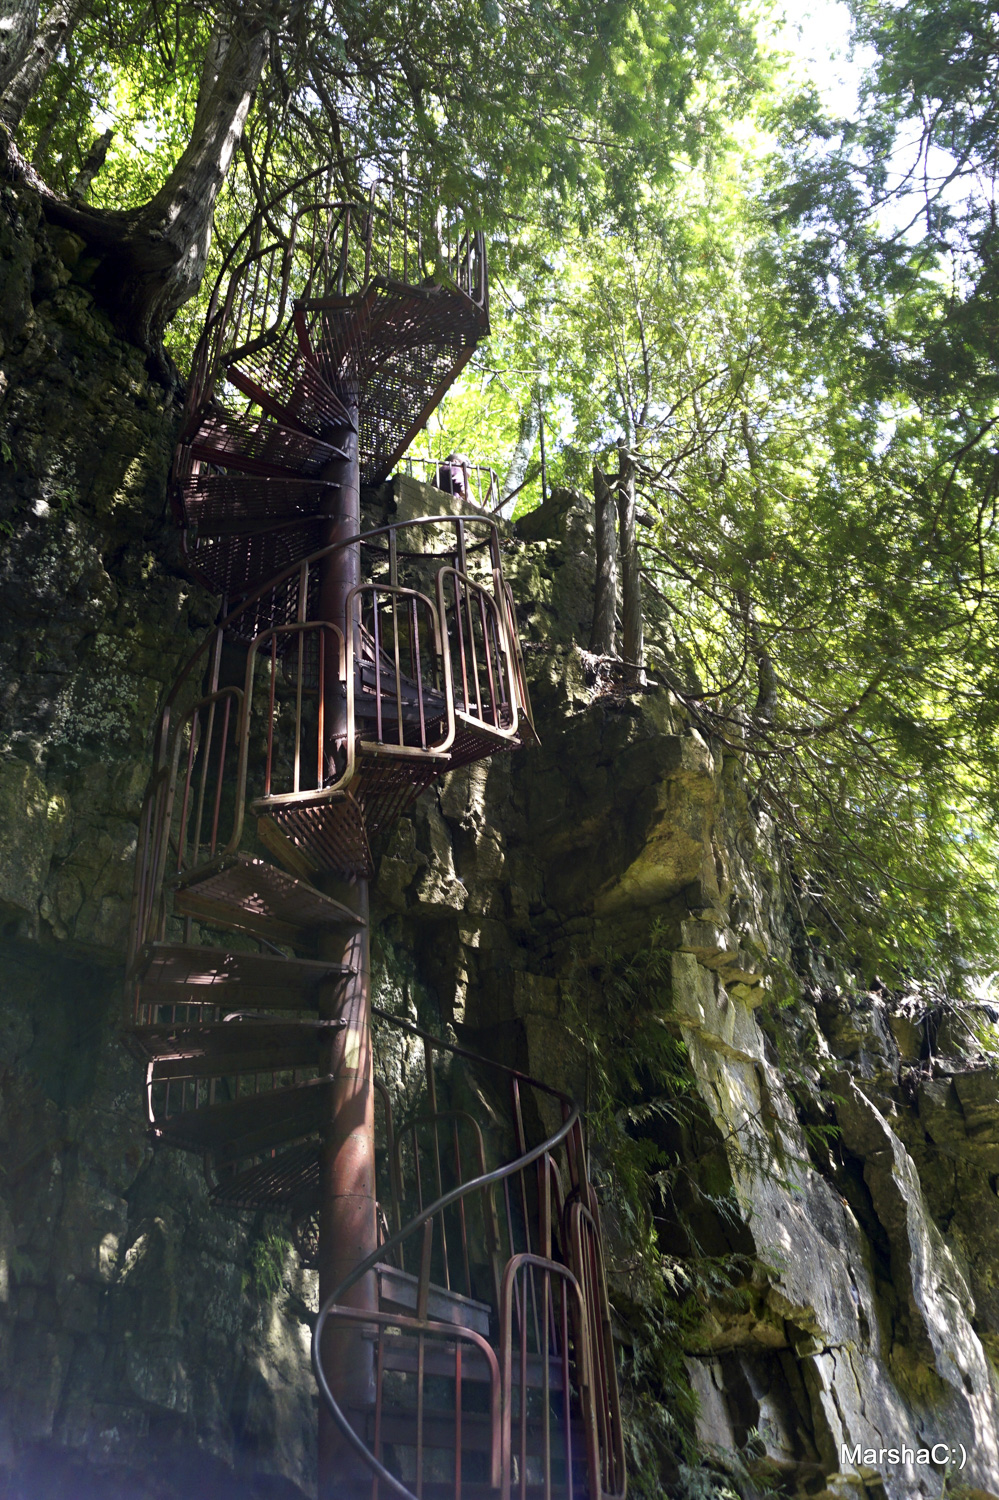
[475, 740]
[318, 837]
[251, 895]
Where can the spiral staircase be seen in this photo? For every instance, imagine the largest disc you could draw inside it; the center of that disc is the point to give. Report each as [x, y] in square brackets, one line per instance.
[463, 1347]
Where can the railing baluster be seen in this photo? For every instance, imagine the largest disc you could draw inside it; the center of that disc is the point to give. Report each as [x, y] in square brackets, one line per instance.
[523, 1399]
[398, 668]
[546, 1444]
[270, 714]
[418, 673]
[467, 589]
[205, 751]
[298, 711]
[566, 1392]
[218, 784]
[461, 1212]
[405, 234]
[457, 1420]
[321, 694]
[379, 736]
[440, 1192]
[465, 706]
[379, 1385]
[489, 661]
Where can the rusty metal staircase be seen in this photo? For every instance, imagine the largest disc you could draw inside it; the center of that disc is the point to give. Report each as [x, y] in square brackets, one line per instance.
[463, 1346]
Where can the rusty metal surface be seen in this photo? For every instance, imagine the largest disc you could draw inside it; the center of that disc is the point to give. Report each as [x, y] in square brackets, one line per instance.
[254, 896]
[537, 1259]
[464, 1345]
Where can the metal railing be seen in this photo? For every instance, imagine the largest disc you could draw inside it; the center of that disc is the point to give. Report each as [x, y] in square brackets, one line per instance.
[514, 1251]
[303, 245]
[478, 483]
[491, 1342]
[431, 649]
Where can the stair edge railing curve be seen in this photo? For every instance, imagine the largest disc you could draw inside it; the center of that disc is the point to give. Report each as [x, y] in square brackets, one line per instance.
[599, 1315]
[330, 1305]
[146, 887]
[208, 359]
[306, 563]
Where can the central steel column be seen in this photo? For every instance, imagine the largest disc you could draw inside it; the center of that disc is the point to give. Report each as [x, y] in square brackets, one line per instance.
[348, 1222]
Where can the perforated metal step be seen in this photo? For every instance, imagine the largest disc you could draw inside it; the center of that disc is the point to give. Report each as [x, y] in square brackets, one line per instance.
[207, 983]
[251, 895]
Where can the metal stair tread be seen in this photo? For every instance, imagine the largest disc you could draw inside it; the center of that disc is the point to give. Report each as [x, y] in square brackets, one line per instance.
[399, 1425]
[250, 894]
[310, 836]
[398, 1291]
[400, 1352]
[379, 332]
[241, 1127]
[231, 441]
[218, 1047]
[291, 365]
[210, 498]
[289, 1179]
[197, 967]
[317, 423]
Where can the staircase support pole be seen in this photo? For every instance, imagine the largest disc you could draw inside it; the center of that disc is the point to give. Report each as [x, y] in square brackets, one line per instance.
[340, 573]
[348, 1214]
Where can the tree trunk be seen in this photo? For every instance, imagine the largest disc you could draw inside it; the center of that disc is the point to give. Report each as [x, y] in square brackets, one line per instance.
[603, 636]
[766, 677]
[155, 256]
[170, 236]
[633, 649]
[18, 29]
[22, 81]
[96, 157]
[524, 447]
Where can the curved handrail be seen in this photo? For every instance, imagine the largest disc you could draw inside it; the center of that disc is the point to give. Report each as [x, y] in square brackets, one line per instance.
[604, 1436]
[227, 276]
[467, 253]
[303, 565]
[570, 1124]
[476, 1184]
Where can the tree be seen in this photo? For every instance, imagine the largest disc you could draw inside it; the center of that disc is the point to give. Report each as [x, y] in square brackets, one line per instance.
[482, 103]
[816, 471]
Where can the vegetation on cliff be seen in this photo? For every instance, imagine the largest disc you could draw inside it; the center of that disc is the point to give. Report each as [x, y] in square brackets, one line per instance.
[766, 355]
[773, 330]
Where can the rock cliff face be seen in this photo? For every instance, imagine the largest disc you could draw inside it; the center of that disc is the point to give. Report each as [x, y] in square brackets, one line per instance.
[836, 1156]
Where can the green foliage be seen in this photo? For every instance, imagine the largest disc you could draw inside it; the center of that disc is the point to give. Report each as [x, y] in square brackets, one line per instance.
[267, 1261]
[794, 339]
[812, 409]
[637, 1077]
